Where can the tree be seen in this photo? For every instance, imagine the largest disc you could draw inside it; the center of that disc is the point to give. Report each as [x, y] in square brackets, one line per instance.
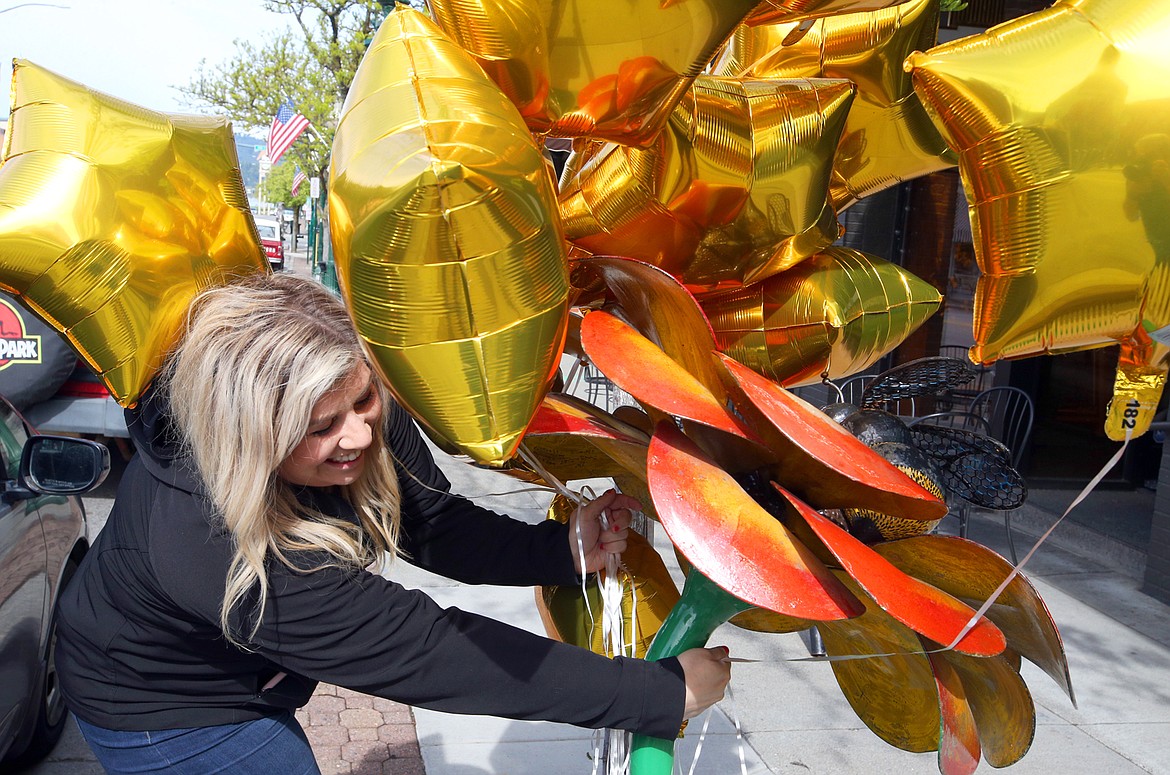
[277, 187]
[313, 64]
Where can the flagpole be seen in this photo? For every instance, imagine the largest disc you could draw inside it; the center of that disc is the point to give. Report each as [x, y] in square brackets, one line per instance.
[314, 229]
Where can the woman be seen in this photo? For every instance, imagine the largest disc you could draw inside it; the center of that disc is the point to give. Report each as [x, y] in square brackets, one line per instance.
[231, 576]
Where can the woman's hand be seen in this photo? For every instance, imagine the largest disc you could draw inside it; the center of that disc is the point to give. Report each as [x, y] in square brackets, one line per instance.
[598, 542]
[707, 673]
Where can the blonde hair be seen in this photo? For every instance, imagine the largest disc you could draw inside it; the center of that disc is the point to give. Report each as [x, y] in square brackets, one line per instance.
[256, 357]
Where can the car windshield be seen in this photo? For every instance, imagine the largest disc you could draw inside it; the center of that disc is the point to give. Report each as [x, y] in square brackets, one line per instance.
[266, 231]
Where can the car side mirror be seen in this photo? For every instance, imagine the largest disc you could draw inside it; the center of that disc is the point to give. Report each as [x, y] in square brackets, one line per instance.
[62, 465]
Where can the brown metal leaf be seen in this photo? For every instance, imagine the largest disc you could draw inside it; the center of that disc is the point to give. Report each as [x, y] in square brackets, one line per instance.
[763, 620]
[971, 572]
[1004, 712]
[895, 696]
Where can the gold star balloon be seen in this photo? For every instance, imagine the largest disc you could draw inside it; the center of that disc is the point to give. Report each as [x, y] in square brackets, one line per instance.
[888, 137]
[734, 190]
[835, 313]
[112, 217]
[576, 68]
[447, 241]
[1061, 121]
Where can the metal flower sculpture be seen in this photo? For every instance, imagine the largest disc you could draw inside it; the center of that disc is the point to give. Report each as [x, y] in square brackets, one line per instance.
[738, 470]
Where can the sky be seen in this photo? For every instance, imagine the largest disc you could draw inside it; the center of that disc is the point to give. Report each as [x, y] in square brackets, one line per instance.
[136, 50]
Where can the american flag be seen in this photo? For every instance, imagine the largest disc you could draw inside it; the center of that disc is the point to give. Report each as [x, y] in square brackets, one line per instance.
[286, 127]
[298, 178]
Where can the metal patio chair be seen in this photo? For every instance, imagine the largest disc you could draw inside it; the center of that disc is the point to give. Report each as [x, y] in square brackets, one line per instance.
[1009, 413]
[963, 421]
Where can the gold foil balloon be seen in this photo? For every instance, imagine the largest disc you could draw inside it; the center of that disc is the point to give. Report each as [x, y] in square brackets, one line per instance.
[1145, 358]
[112, 217]
[888, 136]
[836, 313]
[734, 189]
[775, 11]
[447, 241]
[1056, 118]
[577, 69]
[1137, 387]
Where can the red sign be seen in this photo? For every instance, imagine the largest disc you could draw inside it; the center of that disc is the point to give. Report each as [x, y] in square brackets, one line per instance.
[15, 345]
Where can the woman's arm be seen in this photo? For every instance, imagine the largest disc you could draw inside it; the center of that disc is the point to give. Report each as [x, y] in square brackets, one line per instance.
[451, 536]
[371, 635]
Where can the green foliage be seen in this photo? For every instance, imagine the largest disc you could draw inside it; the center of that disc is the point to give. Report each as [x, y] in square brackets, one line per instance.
[277, 187]
[951, 6]
[313, 64]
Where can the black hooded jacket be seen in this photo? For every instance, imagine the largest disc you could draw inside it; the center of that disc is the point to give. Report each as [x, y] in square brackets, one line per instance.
[140, 648]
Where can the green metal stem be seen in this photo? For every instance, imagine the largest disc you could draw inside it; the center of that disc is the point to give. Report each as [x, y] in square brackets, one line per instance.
[702, 608]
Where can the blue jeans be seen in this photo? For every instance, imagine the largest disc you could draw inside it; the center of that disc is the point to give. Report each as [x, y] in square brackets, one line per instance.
[261, 747]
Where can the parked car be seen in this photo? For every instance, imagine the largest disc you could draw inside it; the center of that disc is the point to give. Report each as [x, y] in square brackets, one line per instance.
[270, 237]
[83, 406]
[42, 540]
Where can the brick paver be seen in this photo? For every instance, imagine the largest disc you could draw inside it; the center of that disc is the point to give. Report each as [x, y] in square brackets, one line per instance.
[362, 735]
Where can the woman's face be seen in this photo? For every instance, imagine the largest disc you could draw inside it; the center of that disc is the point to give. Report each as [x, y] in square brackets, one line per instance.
[340, 432]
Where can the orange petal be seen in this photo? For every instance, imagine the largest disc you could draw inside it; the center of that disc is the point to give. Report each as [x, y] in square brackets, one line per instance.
[664, 312]
[644, 371]
[921, 607]
[819, 459]
[732, 540]
[958, 749]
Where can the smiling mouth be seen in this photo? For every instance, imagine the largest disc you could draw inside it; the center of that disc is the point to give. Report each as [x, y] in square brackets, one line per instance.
[344, 459]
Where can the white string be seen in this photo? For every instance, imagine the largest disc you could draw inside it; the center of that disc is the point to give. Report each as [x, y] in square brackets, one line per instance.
[738, 731]
[615, 746]
[702, 737]
[575, 373]
[1092, 485]
[730, 698]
